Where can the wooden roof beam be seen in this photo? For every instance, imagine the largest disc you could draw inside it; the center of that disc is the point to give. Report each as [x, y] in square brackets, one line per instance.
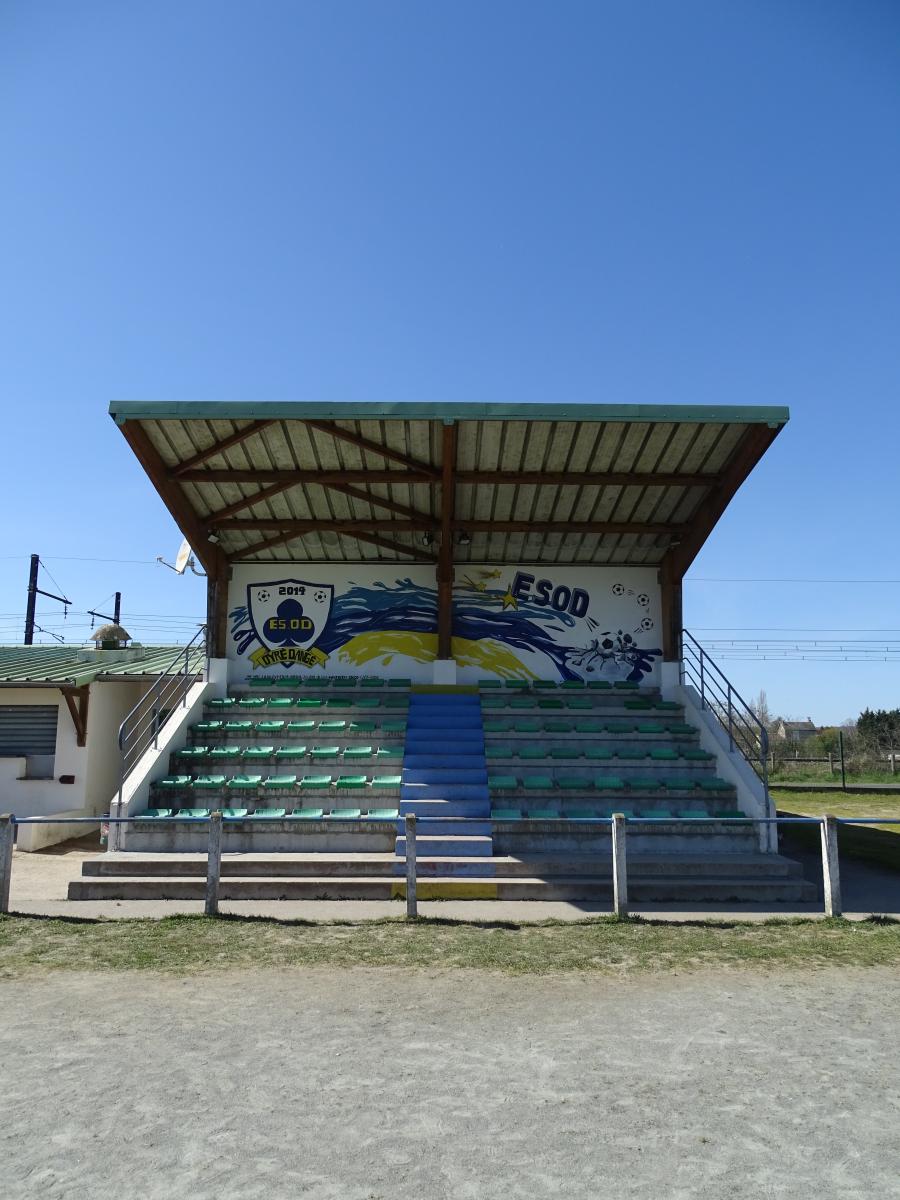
[315, 525]
[355, 439]
[427, 476]
[289, 478]
[219, 447]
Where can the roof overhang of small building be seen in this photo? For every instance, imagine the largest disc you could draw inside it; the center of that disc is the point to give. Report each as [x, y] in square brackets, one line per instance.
[500, 483]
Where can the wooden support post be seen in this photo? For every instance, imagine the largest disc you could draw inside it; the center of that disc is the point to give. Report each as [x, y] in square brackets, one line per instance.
[620, 871]
[7, 835]
[213, 864]
[671, 602]
[77, 703]
[445, 555]
[412, 907]
[831, 876]
[217, 607]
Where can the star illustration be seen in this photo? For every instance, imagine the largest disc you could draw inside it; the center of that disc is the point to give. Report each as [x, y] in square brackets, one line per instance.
[509, 600]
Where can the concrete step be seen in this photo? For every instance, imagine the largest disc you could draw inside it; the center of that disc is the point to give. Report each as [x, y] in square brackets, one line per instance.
[450, 757]
[447, 773]
[438, 887]
[448, 846]
[446, 808]
[444, 791]
[445, 825]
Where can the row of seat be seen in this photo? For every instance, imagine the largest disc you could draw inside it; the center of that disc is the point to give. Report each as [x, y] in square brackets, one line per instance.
[273, 783]
[606, 783]
[293, 752]
[219, 703]
[565, 685]
[561, 725]
[275, 814]
[300, 728]
[572, 704]
[584, 813]
[326, 681]
[538, 751]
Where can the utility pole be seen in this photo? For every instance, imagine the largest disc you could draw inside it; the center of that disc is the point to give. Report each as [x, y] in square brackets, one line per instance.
[33, 592]
[117, 612]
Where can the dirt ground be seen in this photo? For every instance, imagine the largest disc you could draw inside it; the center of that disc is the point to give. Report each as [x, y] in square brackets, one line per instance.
[367, 1084]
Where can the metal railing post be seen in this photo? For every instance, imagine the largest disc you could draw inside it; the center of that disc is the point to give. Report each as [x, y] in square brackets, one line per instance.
[7, 835]
[831, 876]
[702, 680]
[412, 907]
[620, 870]
[213, 864]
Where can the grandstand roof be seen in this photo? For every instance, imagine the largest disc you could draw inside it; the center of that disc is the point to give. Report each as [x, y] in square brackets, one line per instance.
[556, 483]
[73, 666]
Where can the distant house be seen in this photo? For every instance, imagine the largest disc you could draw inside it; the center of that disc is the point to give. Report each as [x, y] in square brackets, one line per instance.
[794, 731]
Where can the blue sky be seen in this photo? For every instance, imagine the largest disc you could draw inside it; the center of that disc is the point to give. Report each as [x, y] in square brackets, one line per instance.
[599, 202]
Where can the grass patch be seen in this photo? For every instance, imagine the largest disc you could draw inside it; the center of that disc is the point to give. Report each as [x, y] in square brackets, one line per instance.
[841, 804]
[186, 945]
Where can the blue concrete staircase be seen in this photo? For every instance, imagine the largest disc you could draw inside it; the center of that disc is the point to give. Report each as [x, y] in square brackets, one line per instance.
[445, 777]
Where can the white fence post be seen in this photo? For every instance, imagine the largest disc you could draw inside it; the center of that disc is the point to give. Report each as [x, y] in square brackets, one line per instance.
[213, 863]
[7, 835]
[620, 872]
[412, 908]
[831, 876]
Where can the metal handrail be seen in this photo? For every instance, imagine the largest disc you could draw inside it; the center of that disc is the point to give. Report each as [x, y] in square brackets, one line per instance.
[717, 694]
[140, 728]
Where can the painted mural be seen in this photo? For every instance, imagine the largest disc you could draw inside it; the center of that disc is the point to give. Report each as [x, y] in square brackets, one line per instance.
[524, 622]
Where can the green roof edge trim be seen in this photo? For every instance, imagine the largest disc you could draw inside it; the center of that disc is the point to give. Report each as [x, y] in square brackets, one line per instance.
[299, 410]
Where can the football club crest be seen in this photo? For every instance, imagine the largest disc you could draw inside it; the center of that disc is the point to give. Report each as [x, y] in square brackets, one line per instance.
[288, 616]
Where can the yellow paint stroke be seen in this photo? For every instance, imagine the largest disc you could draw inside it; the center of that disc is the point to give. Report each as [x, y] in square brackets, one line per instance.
[487, 655]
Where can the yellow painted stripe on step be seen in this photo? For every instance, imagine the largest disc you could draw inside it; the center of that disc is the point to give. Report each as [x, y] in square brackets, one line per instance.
[448, 889]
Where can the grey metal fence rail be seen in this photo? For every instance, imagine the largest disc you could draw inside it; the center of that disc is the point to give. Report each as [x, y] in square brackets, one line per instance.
[140, 729]
[719, 696]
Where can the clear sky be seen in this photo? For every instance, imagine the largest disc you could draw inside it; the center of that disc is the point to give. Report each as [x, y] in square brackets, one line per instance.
[690, 202]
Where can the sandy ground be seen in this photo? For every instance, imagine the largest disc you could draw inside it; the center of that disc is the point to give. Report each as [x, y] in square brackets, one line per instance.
[40, 882]
[364, 1085]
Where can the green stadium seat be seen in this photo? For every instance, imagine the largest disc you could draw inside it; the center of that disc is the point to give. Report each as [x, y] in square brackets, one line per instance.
[318, 681]
[696, 755]
[638, 705]
[663, 753]
[678, 783]
[667, 705]
[301, 726]
[267, 814]
[631, 752]
[557, 726]
[650, 727]
[597, 753]
[270, 726]
[344, 814]
[192, 752]
[209, 782]
[626, 685]
[382, 814]
[194, 814]
[525, 703]
[528, 726]
[682, 730]
[502, 783]
[252, 702]
[396, 702]
[492, 702]
[506, 814]
[551, 703]
[332, 726]
[516, 683]
[579, 704]
[243, 727]
[367, 702]
[362, 727]
[534, 751]
[499, 752]
[599, 685]
[588, 726]
[155, 814]
[307, 814]
[572, 685]
[496, 726]
[293, 684]
[489, 683]
[258, 752]
[222, 702]
[244, 782]
[644, 783]
[174, 781]
[609, 783]
[315, 781]
[290, 753]
[359, 752]
[325, 753]
[234, 813]
[280, 782]
[340, 702]
[574, 783]
[371, 681]
[389, 752]
[544, 814]
[386, 781]
[281, 702]
[567, 752]
[208, 727]
[714, 785]
[533, 783]
[351, 781]
[619, 728]
[310, 702]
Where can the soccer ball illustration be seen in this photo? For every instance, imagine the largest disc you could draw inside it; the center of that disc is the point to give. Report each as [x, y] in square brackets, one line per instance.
[263, 597]
[618, 589]
[643, 599]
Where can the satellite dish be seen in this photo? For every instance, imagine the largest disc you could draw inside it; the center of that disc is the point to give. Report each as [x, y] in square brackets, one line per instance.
[183, 557]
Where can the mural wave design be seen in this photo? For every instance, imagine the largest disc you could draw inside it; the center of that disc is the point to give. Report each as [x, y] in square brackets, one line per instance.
[408, 608]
